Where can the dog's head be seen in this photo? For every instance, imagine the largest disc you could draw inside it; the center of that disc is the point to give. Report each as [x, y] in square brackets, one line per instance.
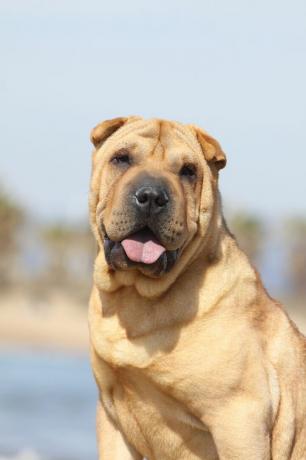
[153, 191]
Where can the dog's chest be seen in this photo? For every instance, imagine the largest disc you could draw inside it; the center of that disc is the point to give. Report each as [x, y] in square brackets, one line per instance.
[156, 423]
[158, 386]
[189, 364]
[159, 396]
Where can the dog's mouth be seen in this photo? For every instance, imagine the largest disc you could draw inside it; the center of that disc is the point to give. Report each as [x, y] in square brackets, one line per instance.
[143, 247]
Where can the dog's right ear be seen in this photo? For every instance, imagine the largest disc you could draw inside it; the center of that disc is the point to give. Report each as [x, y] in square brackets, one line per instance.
[103, 130]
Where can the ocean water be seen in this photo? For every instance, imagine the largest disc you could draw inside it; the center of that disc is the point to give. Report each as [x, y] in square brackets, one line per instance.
[47, 406]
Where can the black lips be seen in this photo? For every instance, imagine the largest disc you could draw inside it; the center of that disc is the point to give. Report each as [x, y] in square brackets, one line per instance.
[118, 260]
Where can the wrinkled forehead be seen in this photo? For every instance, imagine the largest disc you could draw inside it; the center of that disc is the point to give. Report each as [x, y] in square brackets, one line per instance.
[159, 138]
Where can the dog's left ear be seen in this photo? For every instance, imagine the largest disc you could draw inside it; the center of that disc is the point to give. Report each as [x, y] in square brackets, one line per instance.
[103, 130]
[211, 148]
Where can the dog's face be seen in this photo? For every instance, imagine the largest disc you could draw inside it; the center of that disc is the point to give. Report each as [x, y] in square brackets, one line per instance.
[149, 181]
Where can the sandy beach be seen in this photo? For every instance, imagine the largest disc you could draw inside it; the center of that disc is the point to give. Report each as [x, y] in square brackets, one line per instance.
[61, 323]
[57, 323]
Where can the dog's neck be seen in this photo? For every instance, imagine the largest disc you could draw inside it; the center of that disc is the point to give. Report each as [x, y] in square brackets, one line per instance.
[126, 314]
[174, 306]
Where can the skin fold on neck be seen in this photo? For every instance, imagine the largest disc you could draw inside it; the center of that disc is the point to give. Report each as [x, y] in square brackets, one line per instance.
[174, 307]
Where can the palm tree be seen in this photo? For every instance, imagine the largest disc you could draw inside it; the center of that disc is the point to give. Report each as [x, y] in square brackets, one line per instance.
[11, 217]
[70, 253]
[249, 231]
[295, 231]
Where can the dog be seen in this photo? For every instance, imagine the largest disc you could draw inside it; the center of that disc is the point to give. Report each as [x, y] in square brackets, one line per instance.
[192, 358]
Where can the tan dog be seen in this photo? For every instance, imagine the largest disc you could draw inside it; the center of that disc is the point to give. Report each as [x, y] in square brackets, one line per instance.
[192, 358]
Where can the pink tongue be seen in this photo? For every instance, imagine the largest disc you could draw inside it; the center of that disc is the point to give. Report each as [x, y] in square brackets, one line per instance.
[143, 247]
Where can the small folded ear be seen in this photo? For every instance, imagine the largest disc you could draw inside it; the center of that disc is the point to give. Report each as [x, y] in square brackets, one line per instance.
[212, 150]
[103, 130]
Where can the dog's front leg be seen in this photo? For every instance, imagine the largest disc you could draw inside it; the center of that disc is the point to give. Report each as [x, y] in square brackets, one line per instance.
[111, 443]
[241, 431]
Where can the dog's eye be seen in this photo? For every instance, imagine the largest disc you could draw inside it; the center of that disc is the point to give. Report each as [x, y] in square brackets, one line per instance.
[121, 158]
[189, 171]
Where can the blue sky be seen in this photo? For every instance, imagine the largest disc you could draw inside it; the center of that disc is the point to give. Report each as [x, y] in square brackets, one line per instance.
[236, 68]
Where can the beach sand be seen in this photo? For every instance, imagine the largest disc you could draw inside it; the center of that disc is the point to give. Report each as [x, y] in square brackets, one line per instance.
[61, 323]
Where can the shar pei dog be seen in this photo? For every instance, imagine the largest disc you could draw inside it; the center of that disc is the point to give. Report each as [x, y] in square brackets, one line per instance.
[192, 357]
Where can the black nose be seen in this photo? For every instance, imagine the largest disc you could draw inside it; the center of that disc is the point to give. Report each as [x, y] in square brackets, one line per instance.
[151, 199]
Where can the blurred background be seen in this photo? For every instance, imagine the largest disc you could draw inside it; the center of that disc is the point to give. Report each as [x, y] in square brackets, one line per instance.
[236, 68]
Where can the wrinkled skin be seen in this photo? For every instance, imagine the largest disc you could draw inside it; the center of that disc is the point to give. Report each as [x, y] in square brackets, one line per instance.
[159, 158]
[192, 358]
